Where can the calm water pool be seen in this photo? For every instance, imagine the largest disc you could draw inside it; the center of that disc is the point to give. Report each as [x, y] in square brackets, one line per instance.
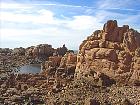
[30, 69]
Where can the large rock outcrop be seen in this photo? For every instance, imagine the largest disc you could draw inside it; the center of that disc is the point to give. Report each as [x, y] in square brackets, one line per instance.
[42, 50]
[113, 51]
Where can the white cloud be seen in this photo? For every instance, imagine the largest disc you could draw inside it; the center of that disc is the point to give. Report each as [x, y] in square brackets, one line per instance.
[128, 5]
[53, 29]
[13, 33]
[108, 4]
[60, 5]
[15, 6]
[43, 17]
[54, 36]
[83, 23]
[40, 17]
[13, 17]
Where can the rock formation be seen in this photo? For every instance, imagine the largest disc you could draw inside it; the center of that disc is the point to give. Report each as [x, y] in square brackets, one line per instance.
[62, 50]
[108, 56]
[113, 51]
[19, 51]
[57, 66]
[68, 59]
[42, 50]
[5, 51]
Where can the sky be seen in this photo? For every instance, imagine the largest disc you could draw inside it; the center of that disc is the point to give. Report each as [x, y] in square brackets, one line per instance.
[26, 23]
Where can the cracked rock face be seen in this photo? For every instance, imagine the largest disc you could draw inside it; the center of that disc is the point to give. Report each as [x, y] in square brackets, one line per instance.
[114, 51]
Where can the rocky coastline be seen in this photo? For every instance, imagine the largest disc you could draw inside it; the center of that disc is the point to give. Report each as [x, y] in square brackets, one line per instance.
[105, 71]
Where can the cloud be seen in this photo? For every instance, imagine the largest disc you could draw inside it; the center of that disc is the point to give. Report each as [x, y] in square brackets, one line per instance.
[123, 18]
[13, 33]
[60, 5]
[13, 17]
[107, 4]
[119, 4]
[15, 6]
[43, 17]
[43, 23]
[54, 36]
[83, 23]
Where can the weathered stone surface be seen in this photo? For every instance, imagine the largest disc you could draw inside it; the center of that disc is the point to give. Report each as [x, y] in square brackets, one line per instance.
[42, 50]
[19, 51]
[114, 51]
[63, 67]
[68, 58]
[91, 101]
[5, 50]
[55, 60]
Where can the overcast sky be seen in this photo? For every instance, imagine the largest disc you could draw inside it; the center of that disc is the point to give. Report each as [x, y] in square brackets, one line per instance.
[57, 22]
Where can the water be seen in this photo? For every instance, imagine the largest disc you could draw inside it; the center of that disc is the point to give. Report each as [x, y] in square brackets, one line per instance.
[30, 69]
